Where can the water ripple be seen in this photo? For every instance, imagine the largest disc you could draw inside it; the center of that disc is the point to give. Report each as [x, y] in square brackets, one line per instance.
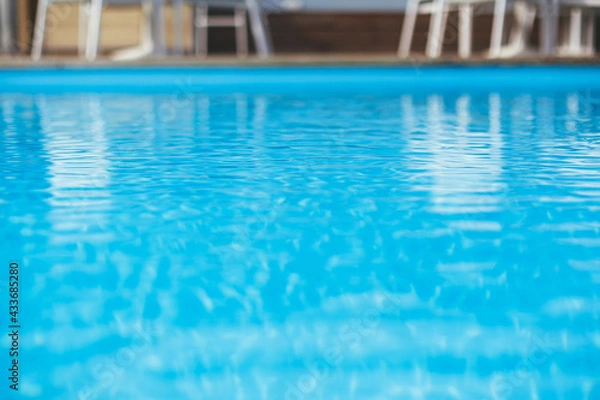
[304, 246]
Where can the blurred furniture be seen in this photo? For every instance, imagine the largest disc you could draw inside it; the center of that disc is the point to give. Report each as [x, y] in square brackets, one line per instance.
[413, 8]
[41, 20]
[579, 33]
[524, 15]
[8, 29]
[439, 10]
[152, 35]
[203, 20]
[90, 19]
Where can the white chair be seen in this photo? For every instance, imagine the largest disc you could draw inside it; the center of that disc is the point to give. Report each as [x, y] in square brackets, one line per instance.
[90, 19]
[439, 10]
[524, 17]
[152, 35]
[202, 21]
[579, 35]
[153, 30]
[525, 11]
[40, 24]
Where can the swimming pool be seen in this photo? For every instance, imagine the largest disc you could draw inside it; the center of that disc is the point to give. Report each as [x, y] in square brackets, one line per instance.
[303, 233]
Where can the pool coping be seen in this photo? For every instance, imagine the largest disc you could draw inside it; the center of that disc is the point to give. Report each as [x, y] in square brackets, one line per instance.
[273, 79]
[60, 62]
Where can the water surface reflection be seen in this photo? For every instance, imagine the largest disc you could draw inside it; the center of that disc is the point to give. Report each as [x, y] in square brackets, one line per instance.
[296, 246]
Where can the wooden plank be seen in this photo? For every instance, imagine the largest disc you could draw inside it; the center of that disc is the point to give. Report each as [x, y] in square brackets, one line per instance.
[121, 27]
[24, 14]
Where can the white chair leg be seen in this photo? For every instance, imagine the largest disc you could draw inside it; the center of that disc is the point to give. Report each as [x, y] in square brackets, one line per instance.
[149, 29]
[260, 29]
[544, 25]
[562, 41]
[497, 28]
[590, 19]
[465, 18]
[524, 18]
[241, 32]
[39, 29]
[201, 30]
[554, 24]
[146, 46]
[84, 16]
[157, 18]
[575, 25]
[436, 30]
[445, 15]
[408, 28]
[93, 36]
[178, 44]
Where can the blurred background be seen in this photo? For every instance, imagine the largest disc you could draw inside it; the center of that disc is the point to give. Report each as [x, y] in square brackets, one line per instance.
[131, 29]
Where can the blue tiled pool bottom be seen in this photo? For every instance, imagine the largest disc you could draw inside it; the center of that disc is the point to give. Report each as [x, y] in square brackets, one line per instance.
[400, 244]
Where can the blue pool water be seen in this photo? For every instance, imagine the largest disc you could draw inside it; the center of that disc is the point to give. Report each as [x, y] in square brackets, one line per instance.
[366, 233]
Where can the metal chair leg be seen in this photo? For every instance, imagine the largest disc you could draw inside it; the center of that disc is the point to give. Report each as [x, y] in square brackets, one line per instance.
[241, 32]
[260, 31]
[178, 44]
[201, 30]
[548, 26]
[40, 27]
[408, 28]
[156, 18]
[6, 27]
